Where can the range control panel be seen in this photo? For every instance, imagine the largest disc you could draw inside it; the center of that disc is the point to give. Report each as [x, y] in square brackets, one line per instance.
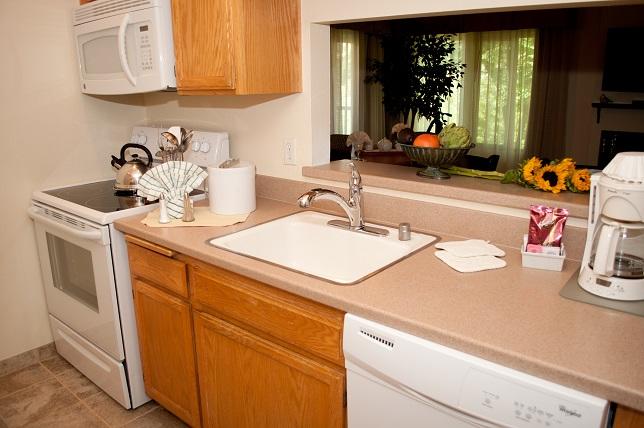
[206, 148]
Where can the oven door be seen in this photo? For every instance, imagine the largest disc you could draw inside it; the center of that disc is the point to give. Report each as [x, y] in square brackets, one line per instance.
[76, 263]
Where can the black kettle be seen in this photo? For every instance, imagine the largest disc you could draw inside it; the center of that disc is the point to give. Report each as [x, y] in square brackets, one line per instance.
[130, 171]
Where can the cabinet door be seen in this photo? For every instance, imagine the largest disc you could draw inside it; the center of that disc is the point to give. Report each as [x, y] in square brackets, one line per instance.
[203, 44]
[246, 381]
[167, 352]
[628, 418]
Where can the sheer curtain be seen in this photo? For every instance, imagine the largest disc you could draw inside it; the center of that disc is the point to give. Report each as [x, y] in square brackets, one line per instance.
[345, 81]
[501, 108]
[494, 102]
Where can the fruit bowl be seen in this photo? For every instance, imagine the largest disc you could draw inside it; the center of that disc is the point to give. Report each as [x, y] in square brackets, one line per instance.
[434, 158]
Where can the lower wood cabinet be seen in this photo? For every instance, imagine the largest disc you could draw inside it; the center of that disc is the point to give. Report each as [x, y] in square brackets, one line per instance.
[247, 381]
[167, 353]
[626, 417]
[222, 350]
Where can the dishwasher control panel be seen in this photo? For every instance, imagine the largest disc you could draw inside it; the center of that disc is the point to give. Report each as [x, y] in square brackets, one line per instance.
[511, 402]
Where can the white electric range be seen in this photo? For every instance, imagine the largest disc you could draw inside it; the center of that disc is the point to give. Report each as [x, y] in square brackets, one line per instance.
[86, 275]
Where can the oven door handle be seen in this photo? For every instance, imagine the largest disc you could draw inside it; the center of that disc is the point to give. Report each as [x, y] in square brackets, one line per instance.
[93, 235]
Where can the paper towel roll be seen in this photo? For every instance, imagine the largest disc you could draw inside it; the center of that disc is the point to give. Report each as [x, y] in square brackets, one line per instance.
[232, 190]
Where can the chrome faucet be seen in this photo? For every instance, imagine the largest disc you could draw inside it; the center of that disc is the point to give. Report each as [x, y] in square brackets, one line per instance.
[353, 207]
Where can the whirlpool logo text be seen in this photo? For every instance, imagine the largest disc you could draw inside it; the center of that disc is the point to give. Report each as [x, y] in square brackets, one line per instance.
[569, 412]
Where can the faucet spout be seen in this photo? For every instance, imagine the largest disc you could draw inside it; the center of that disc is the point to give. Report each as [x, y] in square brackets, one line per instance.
[353, 207]
[352, 211]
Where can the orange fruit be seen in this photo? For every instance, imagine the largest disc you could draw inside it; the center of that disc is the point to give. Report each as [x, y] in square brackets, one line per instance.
[427, 140]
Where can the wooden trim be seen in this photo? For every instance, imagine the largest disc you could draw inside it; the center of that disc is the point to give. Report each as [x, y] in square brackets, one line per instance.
[150, 246]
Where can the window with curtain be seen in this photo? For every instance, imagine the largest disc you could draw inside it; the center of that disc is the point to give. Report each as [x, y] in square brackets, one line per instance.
[494, 102]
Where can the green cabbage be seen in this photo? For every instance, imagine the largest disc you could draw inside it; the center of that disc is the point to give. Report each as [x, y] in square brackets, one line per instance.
[453, 136]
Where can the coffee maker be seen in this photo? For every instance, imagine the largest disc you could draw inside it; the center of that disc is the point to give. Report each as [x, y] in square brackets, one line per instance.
[613, 262]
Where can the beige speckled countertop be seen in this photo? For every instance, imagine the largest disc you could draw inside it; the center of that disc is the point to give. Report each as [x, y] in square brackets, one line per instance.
[512, 316]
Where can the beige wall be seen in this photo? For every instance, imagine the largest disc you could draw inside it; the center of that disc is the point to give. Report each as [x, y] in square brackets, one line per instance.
[51, 135]
[582, 130]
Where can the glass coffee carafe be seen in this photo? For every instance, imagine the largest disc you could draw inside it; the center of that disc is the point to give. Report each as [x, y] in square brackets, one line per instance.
[618, 249]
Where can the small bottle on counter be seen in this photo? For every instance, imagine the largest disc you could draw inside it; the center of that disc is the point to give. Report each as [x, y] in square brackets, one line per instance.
[163, 210]
[188, 208]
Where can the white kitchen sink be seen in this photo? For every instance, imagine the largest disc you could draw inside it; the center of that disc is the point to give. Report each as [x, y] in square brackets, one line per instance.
[303, 242]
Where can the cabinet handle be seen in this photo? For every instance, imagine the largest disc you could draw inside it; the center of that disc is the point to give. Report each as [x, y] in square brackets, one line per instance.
[150, 246]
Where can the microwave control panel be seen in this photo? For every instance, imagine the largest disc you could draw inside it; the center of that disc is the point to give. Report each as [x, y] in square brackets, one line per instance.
[144, 48]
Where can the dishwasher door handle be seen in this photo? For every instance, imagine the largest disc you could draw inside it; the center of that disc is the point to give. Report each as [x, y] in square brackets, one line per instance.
[455, 413]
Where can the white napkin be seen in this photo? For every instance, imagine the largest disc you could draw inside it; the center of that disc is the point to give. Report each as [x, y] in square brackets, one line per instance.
[471, 248]
[471, 255]
[470, 264]
[173, 179]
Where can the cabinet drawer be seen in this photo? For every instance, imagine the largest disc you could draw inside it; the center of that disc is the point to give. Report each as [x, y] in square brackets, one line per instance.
[307, 325]
[159, 269]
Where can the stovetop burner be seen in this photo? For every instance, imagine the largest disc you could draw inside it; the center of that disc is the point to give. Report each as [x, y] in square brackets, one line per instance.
[99, 196]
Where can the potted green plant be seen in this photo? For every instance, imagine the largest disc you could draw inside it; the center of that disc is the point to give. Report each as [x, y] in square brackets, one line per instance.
[417, 75]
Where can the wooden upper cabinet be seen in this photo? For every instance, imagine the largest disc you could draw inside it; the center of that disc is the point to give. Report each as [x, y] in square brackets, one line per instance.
[237, 46]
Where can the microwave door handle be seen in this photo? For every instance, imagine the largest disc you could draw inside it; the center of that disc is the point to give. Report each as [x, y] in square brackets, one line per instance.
[93, 235]
[122, 55]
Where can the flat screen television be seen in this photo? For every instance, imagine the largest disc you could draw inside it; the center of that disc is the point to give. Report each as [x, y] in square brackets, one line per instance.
[624, 60]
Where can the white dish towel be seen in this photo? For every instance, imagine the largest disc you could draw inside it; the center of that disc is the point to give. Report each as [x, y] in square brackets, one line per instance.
[472, 255]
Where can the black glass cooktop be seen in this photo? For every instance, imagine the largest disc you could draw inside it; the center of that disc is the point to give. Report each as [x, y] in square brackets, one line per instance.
[99, 196]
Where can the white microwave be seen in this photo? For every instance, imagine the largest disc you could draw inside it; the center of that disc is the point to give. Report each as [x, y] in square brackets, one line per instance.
[124, 46]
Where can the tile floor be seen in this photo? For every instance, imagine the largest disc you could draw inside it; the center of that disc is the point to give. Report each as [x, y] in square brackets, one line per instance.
[52, 393]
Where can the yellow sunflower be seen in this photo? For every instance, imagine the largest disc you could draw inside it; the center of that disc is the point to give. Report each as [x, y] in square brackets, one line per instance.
[550, 179]
[580, 180]
[567, 165]
[529, 168]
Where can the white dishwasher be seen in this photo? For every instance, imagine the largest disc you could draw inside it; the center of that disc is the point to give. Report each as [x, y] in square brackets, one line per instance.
[396, 380]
